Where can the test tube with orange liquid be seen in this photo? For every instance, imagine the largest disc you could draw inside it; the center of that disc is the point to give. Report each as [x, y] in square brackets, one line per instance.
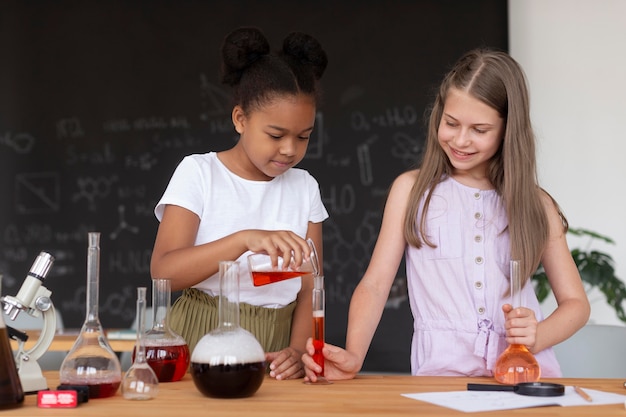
[318, 327]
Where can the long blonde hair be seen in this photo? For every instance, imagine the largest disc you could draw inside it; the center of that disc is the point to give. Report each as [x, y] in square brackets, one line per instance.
[497, 80]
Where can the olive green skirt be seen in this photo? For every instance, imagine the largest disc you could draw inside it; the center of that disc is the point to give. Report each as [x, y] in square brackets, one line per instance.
[195, 314]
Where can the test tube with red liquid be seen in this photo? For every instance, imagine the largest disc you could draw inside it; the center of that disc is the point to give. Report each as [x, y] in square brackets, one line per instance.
[318, 326]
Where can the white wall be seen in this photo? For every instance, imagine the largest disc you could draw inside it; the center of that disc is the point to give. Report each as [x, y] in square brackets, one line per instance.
[574, 55]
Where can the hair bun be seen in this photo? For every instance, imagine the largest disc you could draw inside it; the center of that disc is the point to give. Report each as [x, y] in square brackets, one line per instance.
[242, 48]
[307, 50]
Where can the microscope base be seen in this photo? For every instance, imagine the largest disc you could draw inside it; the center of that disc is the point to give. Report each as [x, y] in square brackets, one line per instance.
[31, 378]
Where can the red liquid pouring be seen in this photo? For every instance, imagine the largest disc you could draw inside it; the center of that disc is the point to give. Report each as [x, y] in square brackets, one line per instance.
[268, 277]
[169, 363]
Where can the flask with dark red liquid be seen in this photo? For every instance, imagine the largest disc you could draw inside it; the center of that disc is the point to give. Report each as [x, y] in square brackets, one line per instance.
[228, 362]
[167, 353]
[11, 392]
[91, 361]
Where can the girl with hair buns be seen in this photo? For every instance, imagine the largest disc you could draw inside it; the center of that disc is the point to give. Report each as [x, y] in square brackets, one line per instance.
[225, 205]
[472, 206]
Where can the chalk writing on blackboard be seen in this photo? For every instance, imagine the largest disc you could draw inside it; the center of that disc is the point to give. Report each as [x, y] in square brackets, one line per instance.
[37, 192]
[94, 189]
[123, 225]
[89, 141]
[21, 142]
[69, 128]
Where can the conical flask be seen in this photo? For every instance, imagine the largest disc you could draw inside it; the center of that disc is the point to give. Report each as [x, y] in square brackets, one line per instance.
[516, 364]
[11, 392]
[91, 361]
[228, 362]
[166, 351]
[140, 382]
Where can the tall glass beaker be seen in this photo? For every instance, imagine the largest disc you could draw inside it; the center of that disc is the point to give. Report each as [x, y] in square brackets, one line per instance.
[11, 392]
[91, 361]
[167, 353]
[516, 364]
[228, 362]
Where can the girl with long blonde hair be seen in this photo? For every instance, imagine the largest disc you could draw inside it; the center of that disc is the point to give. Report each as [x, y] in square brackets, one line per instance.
[472, 206]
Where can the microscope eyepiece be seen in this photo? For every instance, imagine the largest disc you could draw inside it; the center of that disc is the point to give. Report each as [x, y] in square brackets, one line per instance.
[41, 266]
[30, 288]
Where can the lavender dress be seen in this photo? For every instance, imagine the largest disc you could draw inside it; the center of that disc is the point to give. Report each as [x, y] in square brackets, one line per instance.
[456, 290]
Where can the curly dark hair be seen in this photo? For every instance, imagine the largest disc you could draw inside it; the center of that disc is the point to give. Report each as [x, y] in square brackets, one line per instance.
[258, 75]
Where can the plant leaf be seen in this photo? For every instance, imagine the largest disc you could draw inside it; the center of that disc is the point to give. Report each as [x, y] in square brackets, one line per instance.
[596, 269]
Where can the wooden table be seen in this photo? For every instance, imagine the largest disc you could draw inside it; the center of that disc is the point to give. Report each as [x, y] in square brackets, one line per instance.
[65, 340]
[367, 395]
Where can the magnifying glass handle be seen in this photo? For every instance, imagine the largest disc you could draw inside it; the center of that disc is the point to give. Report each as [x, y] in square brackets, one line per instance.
[535, 389]
[490, 387]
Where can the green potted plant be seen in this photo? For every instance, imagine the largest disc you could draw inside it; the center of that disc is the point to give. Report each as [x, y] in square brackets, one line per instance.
[596, 270]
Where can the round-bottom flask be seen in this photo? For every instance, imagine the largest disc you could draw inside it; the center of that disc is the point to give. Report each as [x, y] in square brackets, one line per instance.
[228, 362]
[140, 382]
[516, 364]
[167, 353]
[91, 361]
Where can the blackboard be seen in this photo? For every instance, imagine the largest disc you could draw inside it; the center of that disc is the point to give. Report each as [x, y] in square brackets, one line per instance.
[100, 100]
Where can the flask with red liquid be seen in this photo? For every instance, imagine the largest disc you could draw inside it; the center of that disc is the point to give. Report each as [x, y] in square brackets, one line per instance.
[228, 362]
[167, 353]
[516, 364]
[11, 392]
[263, 273]
[91, 361]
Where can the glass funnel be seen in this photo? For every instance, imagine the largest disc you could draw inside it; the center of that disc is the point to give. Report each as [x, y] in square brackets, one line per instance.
[140, 382]
[11, 392]
[228, 362]
[516, 364]
[166, 351]
[91, 361]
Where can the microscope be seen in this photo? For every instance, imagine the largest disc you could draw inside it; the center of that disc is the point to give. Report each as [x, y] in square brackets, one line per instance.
[33, 299]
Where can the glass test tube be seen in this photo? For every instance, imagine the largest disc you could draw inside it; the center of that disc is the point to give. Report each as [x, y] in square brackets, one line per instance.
[318, 320]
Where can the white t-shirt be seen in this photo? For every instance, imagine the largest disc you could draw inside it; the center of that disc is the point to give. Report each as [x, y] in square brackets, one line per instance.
[227, 203]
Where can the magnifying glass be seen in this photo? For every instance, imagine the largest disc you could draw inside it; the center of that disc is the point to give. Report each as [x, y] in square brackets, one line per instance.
[535, 389]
